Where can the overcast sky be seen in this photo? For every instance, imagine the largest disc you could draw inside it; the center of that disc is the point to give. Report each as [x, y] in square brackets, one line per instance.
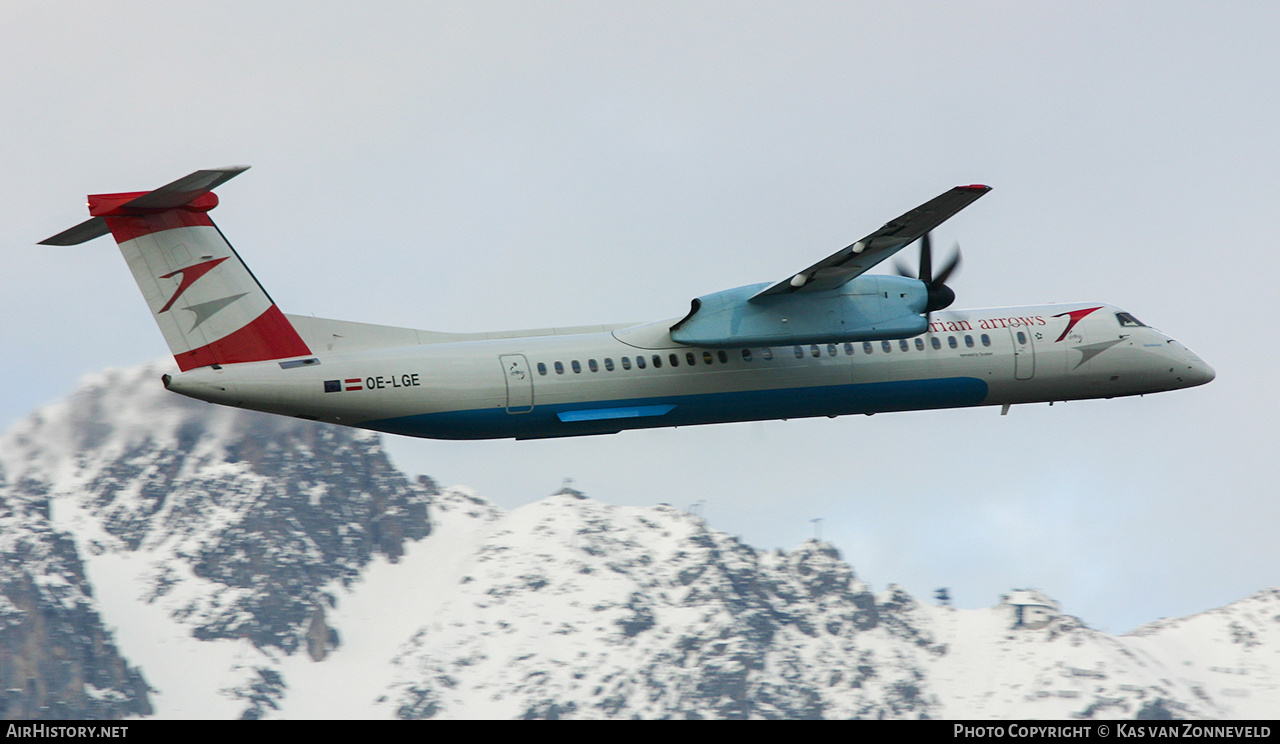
[483, 166]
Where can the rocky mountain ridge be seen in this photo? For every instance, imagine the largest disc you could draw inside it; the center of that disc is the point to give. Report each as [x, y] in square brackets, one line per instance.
[164, 557]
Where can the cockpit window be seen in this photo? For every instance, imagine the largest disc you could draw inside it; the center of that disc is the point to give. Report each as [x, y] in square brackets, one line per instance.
[1128, 321]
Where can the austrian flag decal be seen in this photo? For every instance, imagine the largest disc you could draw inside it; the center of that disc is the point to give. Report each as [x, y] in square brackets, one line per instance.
[337, 386]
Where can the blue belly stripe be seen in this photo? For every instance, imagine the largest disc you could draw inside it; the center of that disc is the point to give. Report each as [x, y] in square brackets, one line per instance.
[597, 414]
[609, 416]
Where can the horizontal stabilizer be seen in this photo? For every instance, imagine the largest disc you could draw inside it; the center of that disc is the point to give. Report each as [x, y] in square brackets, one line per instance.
[94, 227]
[184, 192]
[186, 189]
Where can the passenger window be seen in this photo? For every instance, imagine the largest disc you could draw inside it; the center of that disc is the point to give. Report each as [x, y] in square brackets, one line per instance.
[608, 364]
[848, 349]
[626, 362]
[639, 362]
[766, 354]
[799, 353]
[986, 340]
[559, 368]
[675, 359]
[968, 341]
[951, 341]
[657, 361]
[886, 347]
[866, 347]
[591, 365]
[542, 369]
[746, 355]
[902, 344]
[724, 356]
[706, 357]
[919, 344]
[934, 342]
[577, 368]
[690, 358]
[1022, 337]
[831, 349]
[815, 351]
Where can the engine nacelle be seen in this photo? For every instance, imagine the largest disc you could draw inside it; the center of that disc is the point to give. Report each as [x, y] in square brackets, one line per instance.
[867, 308]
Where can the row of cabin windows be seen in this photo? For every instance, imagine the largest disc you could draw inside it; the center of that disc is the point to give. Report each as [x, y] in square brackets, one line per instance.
[766, 353]
[690, 358]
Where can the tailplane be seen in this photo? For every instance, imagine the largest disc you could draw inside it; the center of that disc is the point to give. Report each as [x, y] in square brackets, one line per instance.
[207, 303]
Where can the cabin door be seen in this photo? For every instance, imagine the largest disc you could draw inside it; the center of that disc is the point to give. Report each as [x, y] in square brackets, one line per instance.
[515, 370]
[1024, 354]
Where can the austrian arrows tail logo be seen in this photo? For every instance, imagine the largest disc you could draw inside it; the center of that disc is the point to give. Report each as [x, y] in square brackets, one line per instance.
[189, 277]
[1075, 316]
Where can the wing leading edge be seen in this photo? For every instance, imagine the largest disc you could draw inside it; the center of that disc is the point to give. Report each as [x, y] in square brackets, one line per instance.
[849, 262]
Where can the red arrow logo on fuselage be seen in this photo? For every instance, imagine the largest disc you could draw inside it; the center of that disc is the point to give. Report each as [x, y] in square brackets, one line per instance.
[1075, 316]
[189, 277]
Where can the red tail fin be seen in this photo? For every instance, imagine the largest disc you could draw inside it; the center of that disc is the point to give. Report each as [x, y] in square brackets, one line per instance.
[207, 303]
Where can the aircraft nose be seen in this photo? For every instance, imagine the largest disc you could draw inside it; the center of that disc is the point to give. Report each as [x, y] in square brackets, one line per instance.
[1190, 370]
[1200, 373]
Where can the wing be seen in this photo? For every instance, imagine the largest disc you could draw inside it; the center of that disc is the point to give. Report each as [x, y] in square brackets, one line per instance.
[853, 260]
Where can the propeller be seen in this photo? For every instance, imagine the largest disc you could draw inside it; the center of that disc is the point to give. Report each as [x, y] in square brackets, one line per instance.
[940, 295]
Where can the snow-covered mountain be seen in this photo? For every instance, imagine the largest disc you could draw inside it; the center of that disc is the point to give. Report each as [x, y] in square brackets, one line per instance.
[167, 558]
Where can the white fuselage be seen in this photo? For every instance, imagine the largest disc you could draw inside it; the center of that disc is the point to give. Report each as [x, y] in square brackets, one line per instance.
[829, 340]
[570, 382]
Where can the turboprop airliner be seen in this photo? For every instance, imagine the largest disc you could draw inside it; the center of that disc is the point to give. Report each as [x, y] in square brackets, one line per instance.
[830, 340]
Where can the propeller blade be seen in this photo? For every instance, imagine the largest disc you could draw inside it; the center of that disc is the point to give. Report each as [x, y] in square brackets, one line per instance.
[926, 259]
[949, 268]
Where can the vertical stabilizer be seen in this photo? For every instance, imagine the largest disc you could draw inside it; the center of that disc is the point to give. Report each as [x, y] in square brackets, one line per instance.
[207, 303]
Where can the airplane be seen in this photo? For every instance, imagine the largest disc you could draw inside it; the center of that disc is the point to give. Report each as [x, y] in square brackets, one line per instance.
[830, 340]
